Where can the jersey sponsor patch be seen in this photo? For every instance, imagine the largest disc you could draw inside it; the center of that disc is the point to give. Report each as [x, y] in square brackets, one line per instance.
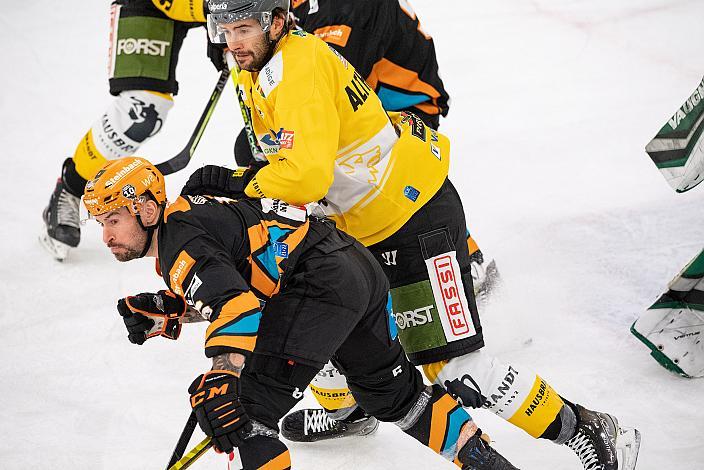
[450, 298]
[411, 193]
[416, 317]
[142, 47]
[192, 289]
[284, 209]
[336, 34]
[272, 74]
[285, 139]
[179, 271]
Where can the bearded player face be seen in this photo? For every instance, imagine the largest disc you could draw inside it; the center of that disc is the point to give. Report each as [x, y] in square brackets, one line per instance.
[250, 45]
[122, 234]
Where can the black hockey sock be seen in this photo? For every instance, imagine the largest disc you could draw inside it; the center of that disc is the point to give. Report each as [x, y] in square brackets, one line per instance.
[74, 183]
[564, 427]
[263, 451]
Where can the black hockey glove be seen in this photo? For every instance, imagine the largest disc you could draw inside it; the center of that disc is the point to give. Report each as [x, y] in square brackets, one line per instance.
[218, 181]
[215, 400]
[147, 315]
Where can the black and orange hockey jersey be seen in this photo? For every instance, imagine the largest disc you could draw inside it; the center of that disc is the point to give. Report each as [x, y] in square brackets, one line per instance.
[385, 42]
[227, 257]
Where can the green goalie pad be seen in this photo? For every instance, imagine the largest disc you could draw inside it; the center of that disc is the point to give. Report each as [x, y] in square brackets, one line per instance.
[673, 327]
[678, 149]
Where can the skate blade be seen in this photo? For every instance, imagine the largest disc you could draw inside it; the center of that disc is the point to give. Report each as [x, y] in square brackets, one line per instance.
[627, 446]
[55, 248]
[370, 428]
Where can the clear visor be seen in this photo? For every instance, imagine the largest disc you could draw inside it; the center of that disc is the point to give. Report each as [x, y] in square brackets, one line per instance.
[224, 27]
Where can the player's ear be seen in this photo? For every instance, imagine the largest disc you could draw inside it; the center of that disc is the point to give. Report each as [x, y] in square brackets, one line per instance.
[149, 212]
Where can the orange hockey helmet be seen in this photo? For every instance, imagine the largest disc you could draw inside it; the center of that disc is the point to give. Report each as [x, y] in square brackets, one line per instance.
[120, 183]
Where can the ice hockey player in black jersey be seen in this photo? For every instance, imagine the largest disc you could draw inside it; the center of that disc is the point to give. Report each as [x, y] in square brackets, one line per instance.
[268, 279]
[290, 81]
[386, 43]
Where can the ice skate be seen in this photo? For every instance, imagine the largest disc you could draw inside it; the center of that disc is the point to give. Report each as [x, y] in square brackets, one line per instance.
[477, 454]
[310, 425]
[485, 275]
[601, 444]
[62, 222]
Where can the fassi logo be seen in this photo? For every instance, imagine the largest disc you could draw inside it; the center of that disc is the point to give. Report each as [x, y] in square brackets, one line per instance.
[450, 295]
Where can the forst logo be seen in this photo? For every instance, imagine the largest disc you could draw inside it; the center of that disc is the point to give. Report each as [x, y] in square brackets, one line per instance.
[129, 46]
[413, 318]
[451, 295]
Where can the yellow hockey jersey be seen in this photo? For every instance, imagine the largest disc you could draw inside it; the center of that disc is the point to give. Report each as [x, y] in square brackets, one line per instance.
[327, 138]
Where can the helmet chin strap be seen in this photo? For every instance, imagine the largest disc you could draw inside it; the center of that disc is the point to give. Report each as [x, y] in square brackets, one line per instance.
[150, 232]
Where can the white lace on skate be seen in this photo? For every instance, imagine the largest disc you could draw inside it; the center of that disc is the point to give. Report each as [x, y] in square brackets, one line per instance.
[585, 450]
[317, 421]
[67, 210]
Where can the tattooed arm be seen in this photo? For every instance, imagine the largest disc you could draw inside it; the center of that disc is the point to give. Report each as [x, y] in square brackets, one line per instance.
[191, 316]
[233, 362]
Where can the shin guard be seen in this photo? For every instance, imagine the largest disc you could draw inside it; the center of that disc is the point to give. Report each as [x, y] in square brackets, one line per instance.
[132, 118]
[438, 422]
[515, 394]
[330, 390]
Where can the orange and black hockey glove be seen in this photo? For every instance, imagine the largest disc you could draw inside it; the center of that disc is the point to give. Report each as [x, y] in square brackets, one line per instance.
[218, 181]
[215, 400]
[147, 315]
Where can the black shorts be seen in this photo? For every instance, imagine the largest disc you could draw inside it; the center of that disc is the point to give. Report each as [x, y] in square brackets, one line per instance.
[144, 48]
[428, 266]
[333, 307]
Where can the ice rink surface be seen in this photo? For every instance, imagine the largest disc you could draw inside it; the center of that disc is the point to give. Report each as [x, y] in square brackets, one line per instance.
[553, 103]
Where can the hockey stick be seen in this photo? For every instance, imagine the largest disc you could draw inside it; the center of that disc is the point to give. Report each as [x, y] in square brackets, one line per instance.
[193, 455]
[183, 439]
[181, 159]
[251, 138]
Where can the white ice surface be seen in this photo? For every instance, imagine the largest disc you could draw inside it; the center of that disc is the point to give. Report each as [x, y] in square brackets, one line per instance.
[553, 103]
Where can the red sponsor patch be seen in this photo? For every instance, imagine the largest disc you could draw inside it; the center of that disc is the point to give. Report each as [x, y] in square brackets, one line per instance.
[286, 139]
[454, 310]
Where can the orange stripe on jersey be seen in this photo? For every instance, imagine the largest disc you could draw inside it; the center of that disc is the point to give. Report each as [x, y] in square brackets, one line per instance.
[243, 303]
[245, 343]
[179, 270]
[297, 3]
[387, 72]
[438, 425]
[280, 462]
[261, 280]
[238, 305]
[179, 205]
[427, 107]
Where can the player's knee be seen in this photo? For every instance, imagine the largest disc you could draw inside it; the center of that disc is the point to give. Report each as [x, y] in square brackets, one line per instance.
[271, 386]
[389, 393]
[130, 120]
